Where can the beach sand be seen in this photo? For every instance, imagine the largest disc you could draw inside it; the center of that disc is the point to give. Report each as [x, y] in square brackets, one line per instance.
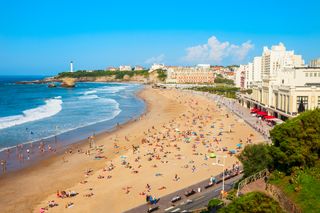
[173, 138]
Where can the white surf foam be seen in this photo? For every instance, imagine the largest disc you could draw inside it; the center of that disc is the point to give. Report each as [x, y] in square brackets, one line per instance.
[109, 89]
[88, 97]
[51, 108]
[90, 92]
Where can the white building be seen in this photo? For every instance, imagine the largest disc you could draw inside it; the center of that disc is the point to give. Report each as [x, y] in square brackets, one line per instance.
[182, 75]
[257, 66]
[157, 67]
[249, 75]
[242, 73]
[287, 84]
[138, 68]
[206, 66]
[240, 77]
[315, 63]
[276, 58]
[125, 68]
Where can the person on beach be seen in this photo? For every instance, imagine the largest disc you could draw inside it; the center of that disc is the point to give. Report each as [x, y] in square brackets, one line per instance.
[4, 166]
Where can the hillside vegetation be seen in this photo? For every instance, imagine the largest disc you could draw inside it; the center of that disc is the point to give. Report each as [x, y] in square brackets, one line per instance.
[293, 159]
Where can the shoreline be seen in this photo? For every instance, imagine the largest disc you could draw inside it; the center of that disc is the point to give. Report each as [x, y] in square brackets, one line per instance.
[166, 106]
[65, 140]
[14, 176]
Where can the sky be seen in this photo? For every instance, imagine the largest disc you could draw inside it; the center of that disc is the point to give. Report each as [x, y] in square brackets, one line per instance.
[40, 37]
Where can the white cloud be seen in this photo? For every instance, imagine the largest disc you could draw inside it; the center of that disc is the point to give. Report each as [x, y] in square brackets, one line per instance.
[157, 59]
[215, 51]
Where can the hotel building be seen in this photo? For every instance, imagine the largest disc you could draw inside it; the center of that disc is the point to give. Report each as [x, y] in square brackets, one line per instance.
[195, 75]
[287, 86]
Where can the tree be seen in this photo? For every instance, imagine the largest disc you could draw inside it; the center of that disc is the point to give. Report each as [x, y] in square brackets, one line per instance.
[255, 158]
[214, 204]
[162, 74]
[296, 143]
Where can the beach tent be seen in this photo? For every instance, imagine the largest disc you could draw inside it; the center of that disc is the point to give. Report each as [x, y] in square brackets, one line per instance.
[212, 155]
[187, 140]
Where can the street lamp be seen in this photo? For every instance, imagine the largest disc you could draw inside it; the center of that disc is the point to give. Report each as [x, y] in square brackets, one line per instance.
[221, 164]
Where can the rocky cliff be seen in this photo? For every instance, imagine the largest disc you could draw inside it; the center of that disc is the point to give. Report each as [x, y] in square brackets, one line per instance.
[150, 79]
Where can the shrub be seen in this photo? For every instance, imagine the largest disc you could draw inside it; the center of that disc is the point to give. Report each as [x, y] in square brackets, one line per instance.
[252, 202]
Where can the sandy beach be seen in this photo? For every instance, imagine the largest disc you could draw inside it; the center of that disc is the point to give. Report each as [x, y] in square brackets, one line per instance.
[166, 149]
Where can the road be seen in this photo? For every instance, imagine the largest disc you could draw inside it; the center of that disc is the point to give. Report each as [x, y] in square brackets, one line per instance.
[197, 200]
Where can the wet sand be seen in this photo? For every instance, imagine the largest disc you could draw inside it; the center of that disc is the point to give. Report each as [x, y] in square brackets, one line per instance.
[175, 137]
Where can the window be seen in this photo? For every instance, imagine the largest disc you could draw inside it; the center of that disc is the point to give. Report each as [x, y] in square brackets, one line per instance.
[318, 101]
[306, 74]
[304, 101]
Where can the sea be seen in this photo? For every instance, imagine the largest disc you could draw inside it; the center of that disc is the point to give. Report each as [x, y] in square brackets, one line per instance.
[35, 112]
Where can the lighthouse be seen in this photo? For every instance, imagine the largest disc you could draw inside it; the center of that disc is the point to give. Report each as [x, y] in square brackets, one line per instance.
[71, 66]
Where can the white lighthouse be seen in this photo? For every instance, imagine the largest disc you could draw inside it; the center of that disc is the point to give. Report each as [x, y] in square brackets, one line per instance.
[71, 66]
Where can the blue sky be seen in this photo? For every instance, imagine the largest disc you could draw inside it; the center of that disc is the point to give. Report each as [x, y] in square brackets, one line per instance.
[42, 37]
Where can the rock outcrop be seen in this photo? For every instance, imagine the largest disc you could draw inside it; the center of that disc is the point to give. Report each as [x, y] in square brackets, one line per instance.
[68, 82]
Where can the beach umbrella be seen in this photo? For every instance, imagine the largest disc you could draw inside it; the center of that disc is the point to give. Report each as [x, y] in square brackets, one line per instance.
[232, 151]
[123, 156]
[212, 155]
[239, 145]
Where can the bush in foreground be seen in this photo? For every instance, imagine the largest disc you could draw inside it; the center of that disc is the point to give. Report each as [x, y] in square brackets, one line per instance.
[253, 202]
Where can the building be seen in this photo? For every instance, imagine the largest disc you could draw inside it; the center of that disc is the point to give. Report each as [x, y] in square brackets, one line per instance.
[207, 66]
[157, 67]
[241, 75]
[276, 58]
[195, 75]
[315, 63]
[125, 68]
[111, 69]
[287, 87]
[257, 69]
[138, 68]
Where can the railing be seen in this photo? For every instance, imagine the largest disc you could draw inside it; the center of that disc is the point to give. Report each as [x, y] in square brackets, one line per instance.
[272, 190]
[251, 179]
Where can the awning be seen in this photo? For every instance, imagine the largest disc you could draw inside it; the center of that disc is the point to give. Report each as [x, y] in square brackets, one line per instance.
[262, 113]
[254, 110]
[269, 117]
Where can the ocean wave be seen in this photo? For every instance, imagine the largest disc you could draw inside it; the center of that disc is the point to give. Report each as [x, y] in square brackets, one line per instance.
[51, 108]
[115, 89]
[88, 97]
[90, 92]
[110, 102]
